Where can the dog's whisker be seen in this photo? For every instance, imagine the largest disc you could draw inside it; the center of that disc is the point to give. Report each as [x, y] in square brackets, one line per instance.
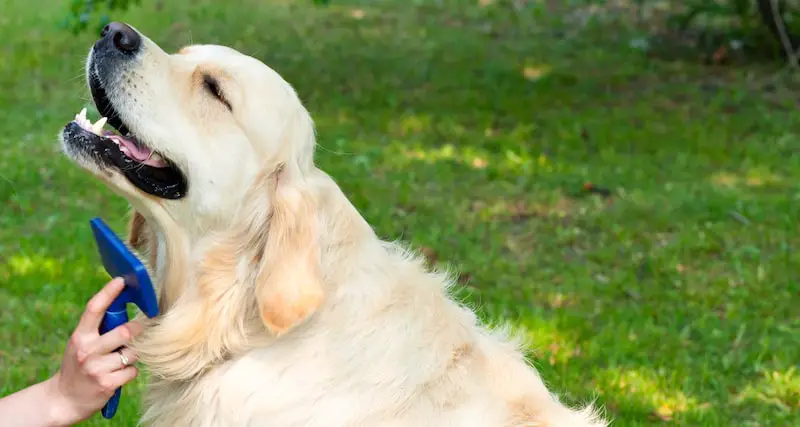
[76, 77]
[338, 153]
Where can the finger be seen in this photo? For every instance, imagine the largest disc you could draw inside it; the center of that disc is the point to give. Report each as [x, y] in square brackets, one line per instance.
[120, 377]
[117, 337]
[97, 306]
[108, 363]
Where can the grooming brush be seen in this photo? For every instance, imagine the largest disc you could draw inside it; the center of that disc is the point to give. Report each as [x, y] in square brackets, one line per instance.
[120, 261]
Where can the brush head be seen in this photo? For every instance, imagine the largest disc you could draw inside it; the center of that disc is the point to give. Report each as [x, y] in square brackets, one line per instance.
[120, 261]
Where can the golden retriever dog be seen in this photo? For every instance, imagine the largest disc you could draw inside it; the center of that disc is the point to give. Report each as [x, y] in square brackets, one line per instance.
[279, 304]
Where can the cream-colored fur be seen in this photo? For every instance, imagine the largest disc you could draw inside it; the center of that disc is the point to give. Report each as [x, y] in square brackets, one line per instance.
[280, 305]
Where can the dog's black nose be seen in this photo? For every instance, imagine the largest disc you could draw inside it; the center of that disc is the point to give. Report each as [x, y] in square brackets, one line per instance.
[122, 36]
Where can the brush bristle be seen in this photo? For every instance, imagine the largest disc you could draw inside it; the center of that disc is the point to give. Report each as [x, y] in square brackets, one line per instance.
[139, 256]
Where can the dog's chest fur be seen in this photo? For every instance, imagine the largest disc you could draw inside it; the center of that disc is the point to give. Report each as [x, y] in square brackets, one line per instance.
[373, 372]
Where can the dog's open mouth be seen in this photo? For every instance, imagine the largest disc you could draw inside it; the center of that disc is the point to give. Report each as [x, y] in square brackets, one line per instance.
[142, 166]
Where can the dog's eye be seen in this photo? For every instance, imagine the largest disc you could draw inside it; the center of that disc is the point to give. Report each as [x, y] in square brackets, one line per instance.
[212, 86]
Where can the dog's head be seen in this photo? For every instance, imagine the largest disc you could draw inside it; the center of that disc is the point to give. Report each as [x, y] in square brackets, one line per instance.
[207, 139]
[194, 128]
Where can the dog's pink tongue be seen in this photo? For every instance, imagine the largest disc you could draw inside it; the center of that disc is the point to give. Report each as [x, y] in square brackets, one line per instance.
[137, 152]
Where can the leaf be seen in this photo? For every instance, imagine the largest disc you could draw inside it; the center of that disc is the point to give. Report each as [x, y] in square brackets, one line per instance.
[535, 73]
[664, 413]
[430, 255]
[81, 14]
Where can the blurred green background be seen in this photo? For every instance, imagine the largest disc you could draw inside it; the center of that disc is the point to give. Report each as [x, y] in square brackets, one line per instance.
[470, 129]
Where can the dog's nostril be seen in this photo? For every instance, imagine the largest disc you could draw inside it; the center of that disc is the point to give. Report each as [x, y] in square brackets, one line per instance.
[124, 38]
[120, 42]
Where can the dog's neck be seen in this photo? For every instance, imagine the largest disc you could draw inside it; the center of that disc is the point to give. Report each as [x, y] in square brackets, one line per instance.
[168, 257]
[198, 273]
[172, 250]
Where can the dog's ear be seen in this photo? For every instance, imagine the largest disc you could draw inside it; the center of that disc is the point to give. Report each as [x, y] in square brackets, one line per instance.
[288, 287]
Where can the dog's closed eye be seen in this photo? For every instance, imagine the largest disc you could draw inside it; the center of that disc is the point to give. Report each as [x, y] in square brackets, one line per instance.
[213, 87]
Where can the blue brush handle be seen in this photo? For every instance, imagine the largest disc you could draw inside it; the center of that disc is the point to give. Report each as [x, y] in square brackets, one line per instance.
[111, 320]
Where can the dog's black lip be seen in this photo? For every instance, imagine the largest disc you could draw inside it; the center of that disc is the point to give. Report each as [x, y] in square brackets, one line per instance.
[166, 183]
[103, 104]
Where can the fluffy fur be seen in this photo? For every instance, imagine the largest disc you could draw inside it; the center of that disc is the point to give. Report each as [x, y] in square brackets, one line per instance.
[281, 306]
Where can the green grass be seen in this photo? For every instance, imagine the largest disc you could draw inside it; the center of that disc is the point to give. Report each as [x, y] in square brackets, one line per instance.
[469, 132]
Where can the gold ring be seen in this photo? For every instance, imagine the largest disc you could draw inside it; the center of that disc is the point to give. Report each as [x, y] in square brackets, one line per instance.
[123, 358]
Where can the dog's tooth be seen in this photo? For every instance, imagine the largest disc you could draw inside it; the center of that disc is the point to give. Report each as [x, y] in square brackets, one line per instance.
[97, 128]
[82, 114]
[82, 122]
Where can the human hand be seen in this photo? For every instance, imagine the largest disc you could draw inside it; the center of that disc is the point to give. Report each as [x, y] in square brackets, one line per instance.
[91, 370]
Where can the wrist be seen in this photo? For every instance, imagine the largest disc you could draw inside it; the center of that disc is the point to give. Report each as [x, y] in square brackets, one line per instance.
[59, 408]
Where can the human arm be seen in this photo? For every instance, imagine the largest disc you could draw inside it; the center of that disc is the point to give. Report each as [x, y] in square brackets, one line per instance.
[90, 372]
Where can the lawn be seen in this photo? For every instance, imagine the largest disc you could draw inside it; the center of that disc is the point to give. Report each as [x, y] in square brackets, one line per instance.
[469, 130]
